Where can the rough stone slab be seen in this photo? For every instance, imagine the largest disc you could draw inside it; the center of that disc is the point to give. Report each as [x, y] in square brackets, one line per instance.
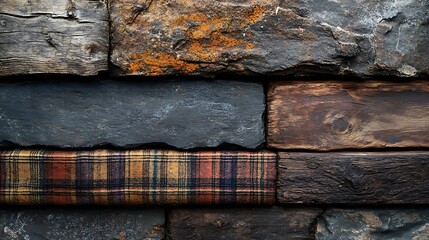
[354, 178]
[203, 37]
[242, 223]
[68, 223]
[183, 114]
[53, 36]
[377, 224]
[343, 115]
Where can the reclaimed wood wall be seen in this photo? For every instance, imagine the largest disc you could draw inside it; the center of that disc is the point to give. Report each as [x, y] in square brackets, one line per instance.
[338, 90]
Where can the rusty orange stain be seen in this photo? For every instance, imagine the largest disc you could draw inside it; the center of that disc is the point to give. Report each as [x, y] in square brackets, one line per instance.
[157, 63]
[208, 37]
[255, 16]
[250, 46]
[207, 27]
[220, 40]
[200, 52]
[183, 21]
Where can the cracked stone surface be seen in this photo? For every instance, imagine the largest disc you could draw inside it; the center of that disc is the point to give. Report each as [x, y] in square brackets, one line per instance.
[75, 223]
[53, 36]
[183, 114]
[203, 37]
[377, 224]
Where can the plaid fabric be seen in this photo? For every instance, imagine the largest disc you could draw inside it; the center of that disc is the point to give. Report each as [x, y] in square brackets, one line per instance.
[154, 177]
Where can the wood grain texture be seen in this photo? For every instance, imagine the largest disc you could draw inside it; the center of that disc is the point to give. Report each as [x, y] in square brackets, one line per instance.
[53, 36]
[354, 178]
[344, 115]
[242, 223]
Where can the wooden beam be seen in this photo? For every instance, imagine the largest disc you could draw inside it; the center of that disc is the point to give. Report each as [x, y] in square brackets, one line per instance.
[53, 36]
[343, 115]
[354, 178]
[242, 223]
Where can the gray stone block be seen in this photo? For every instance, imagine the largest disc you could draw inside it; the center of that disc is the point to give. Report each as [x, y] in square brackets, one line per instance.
[374, 224]
[183, 114]
[308, 37]
[95, 224]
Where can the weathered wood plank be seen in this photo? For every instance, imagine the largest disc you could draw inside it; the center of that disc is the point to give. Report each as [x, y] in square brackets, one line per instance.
[354, 178]
[204, 37]
[242, 223]
[53, 36]
[380, 224]
[343, 115]
[183, 114]
[81, 223]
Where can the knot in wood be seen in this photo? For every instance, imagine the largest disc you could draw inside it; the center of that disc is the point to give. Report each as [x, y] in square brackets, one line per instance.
[71, 12]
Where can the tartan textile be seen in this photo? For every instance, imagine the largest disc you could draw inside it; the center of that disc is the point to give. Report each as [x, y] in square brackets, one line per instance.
[136, 177]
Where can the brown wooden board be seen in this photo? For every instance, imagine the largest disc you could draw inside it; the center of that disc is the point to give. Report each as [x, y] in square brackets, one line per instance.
[343, 115]
[242, 223]
[53, 36]
[354, 178]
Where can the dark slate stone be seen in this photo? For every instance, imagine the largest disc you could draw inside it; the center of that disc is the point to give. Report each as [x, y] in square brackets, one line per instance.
[183, 114]
[95, 224]
[377, 224]
[307, 37]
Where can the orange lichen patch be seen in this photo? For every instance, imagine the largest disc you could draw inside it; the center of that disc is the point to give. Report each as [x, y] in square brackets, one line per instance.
[254, 16]
[220, 40]
[206, 28]
[211, 49]
[184, 20]
[158, 63]
[250, 46]
[197, 50]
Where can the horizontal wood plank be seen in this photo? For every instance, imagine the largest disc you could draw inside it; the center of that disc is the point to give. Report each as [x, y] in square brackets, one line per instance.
[53, 36]
[354, 178]
[242, 223]
[344, 115]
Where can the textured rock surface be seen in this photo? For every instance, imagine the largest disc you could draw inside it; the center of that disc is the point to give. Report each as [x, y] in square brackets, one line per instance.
[334, 115]
[96, 224]
[354, 178]
[53, 36]
[244, 223]
[272, 37]
[184, 114]
[377, 224]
